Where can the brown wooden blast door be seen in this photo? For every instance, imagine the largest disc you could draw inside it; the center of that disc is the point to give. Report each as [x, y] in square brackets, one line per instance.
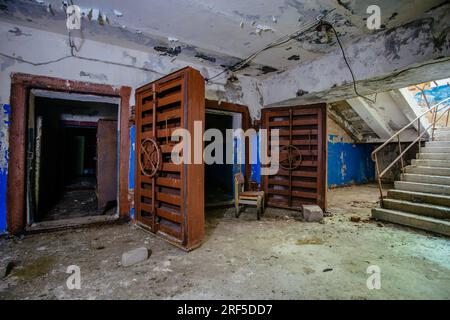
[106, 162]
[302, 139]
[171, 202]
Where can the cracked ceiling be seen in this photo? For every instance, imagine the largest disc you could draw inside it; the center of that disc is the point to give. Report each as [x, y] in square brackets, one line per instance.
[216, 33]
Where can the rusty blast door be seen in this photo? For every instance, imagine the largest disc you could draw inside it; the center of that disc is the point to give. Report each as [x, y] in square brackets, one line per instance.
[169, 197]
[301, 175]
[106, 162]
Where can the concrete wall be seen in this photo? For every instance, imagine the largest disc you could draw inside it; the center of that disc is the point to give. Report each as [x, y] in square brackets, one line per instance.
[389, 153]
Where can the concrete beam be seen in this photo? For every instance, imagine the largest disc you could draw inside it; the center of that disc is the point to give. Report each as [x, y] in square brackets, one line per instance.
[408, 105]
[370, 115]
[345, 125]
[392, 59]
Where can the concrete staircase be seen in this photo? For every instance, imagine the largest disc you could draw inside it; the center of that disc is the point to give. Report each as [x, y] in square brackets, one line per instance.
[422, 198]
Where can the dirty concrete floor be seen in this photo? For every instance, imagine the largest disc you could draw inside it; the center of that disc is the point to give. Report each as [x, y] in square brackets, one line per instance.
[74, 204]
[78, 200]
[278, 257]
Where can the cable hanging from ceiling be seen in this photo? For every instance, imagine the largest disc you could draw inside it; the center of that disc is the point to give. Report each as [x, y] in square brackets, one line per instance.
[282, 40]
[312, 25]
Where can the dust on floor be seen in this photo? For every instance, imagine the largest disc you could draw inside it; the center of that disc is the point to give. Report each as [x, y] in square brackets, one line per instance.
[278, 257]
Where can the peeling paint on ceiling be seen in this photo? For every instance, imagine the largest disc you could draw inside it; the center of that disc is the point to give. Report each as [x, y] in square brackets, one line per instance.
[213, 32]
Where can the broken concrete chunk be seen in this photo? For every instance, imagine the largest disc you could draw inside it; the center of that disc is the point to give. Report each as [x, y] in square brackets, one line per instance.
[134, 256]
[312, 213]
[118, 13]
[6, 268]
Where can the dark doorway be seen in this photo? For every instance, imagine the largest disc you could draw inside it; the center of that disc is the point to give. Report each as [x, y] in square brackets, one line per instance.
[219, 181]
[64, 153]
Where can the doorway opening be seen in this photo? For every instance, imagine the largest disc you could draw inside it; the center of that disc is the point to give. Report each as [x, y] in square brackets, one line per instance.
[73, 153]
[219, 177]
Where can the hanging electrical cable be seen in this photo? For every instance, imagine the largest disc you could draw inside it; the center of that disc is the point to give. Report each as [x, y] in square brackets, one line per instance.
[282, 40]
[296, 35]
[338, 40]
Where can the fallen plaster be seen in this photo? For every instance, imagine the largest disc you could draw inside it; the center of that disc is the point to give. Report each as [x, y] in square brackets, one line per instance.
[140, 67]
[278, 257]
[376, 62]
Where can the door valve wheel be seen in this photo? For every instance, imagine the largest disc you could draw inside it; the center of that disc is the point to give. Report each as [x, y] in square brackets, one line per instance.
[294, 158]
[150, 159]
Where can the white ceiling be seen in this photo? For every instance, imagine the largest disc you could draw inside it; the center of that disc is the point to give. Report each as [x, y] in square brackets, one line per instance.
[218, 32]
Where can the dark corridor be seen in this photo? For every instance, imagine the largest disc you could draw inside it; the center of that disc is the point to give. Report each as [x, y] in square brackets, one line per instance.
[218, 177]
[62, 173]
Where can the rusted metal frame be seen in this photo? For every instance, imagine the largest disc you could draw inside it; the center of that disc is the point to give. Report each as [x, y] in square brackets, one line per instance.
[195, 174]
[246, 124]
[21, 85]
[154, 112]
[322, 155]
[183, 171]
[191, 229]
[290, 171]
[321, 168]
[265, 181]
[137, 146]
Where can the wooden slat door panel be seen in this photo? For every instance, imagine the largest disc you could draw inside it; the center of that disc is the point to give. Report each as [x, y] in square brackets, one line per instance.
[106, 162]
[304, 128]
[164, 204]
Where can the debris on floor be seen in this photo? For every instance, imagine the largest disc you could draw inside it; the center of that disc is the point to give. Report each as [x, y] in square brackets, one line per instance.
[312, 213]
[273, 258]
[135, 256]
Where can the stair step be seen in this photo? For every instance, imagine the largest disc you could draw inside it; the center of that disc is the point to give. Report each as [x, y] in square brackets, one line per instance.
[419, 197]
[413, 220]
[434, 171]
[424, 178]
[438, 144]
[433, 156]
[422, 209]
[431, 163]
[435, 150]
[442, 138]
[442, 129]
[422, 187]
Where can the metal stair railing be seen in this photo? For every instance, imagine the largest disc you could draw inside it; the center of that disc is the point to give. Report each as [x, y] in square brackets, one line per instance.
[434, 110]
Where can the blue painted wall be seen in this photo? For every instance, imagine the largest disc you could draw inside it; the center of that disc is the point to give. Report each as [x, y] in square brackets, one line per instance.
[256, 168]
[131, 174]
[349, 163]
[4, 118]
